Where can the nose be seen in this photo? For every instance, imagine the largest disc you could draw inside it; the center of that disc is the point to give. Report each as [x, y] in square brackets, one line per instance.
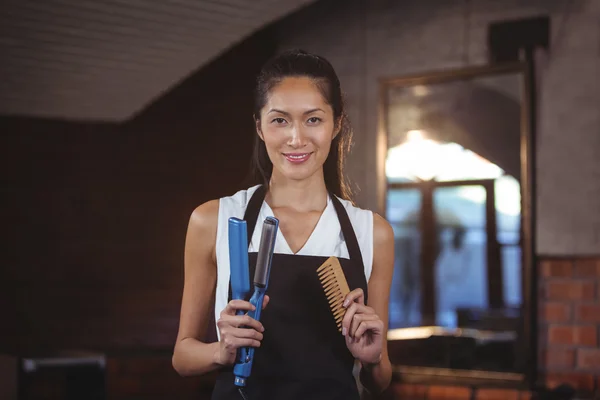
[297, 137]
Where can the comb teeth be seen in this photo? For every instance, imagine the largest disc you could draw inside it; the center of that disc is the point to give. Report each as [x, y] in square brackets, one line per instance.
[335, 287]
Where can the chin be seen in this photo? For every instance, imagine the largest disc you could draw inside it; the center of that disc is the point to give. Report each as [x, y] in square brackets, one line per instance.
[297, 173]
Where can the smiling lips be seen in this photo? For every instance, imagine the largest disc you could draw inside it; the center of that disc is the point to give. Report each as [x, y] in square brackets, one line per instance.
[297, 158]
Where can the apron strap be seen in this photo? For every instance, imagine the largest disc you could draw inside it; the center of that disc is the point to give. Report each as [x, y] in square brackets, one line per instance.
[255, 204]
[253, 209]
[347, 231]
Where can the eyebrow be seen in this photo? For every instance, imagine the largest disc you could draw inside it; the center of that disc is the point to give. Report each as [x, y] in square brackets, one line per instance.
[274, 110]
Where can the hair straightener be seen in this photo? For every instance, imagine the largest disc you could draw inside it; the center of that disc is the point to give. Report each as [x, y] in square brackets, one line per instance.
[240, 281]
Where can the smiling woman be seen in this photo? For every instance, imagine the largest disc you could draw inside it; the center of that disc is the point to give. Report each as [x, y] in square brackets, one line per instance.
[297, 135]
[302, 137]
[300, 90]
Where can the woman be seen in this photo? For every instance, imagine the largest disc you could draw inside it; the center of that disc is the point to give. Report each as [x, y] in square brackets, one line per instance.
[303, 134]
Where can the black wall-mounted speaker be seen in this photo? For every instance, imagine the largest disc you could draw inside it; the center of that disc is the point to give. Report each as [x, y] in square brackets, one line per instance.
[507, 38]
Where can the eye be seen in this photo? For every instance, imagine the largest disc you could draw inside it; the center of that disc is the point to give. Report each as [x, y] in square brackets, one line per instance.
[278, 121]
[314, 120]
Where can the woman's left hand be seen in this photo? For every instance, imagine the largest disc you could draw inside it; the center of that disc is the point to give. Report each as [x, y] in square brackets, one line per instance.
[362, 328]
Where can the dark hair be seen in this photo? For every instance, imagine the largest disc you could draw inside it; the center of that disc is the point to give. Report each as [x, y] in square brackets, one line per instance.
[298, 63]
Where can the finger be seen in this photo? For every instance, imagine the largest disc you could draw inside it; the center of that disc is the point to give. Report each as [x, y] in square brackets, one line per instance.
[362, 309]
[354, 308]
[373, 323]
[234, 305]
[348, 317]
[358, 318]
[238, 321]
[233, 343]
[351, 340]
[265, 301]
[244, 333]
[357, 295]
[249, 343]
[245, 321]
[362, 313]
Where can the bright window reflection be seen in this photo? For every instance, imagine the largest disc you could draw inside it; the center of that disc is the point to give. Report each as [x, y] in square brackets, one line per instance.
[423, 159]
[420, 158]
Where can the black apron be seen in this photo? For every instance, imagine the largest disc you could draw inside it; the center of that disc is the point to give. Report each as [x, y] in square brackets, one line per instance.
[302, 355]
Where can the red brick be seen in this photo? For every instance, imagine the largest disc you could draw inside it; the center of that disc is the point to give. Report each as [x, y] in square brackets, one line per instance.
[558, 357]
[408, 391]
[579, 381]
[555, 312]
[525, 396]
[497, 394]
[587, 267]
[449, 392]
[570, 290]
[588, 359]
[587, 313]
[556, 268]
[583, 335]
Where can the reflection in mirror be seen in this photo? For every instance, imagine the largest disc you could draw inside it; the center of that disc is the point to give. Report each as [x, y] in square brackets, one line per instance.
[454, 198]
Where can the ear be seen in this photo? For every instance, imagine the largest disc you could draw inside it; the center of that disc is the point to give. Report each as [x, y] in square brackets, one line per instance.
[337, 128]
[257, 126]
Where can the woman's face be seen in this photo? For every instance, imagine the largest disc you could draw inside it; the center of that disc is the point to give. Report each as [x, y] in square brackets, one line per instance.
[297, 126]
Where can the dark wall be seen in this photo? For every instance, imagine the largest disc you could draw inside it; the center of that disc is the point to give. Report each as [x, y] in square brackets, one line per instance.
[94, 216]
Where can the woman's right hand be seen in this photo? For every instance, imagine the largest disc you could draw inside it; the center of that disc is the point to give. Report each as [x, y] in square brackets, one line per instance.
[238, 330]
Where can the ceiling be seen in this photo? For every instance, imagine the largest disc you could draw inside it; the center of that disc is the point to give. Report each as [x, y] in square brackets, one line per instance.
[105, 60]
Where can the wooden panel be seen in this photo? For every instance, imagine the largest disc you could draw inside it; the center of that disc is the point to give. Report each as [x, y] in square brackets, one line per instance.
[8, 377]
[94, 216]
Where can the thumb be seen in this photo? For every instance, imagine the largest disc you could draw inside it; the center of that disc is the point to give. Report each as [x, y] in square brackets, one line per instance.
[265, 301]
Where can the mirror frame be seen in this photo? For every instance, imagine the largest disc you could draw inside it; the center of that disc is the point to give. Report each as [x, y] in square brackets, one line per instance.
[527, 379]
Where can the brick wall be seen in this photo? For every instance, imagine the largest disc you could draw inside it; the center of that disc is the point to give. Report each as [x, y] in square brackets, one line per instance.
[422, 392]
[568, 341]
[569, 315]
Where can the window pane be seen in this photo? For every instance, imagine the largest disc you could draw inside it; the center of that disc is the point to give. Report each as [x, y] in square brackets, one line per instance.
[403, 209]
[461, 266]
[508, 215]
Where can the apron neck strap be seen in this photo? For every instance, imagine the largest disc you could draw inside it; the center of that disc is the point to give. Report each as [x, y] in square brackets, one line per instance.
[253, 209]
[255, 204]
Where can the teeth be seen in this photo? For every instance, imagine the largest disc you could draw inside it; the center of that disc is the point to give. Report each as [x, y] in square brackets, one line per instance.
[297, 157]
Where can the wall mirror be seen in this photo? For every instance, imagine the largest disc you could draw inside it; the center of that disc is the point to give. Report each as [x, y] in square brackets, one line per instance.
[457, 190]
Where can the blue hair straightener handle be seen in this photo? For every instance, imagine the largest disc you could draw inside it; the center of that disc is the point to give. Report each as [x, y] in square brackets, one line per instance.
[238, 260]
[240, 282]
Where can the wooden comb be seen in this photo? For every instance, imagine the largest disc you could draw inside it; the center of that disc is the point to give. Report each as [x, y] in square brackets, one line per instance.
[335, 286]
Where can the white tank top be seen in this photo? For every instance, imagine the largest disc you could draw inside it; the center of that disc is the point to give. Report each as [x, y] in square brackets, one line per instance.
[325, 240]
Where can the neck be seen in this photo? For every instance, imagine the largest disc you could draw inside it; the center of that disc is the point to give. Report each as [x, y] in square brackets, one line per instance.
[301, 195]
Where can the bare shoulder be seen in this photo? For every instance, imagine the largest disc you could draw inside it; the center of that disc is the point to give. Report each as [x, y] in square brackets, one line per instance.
[205, 217]
[202, 232]
[383, 234]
